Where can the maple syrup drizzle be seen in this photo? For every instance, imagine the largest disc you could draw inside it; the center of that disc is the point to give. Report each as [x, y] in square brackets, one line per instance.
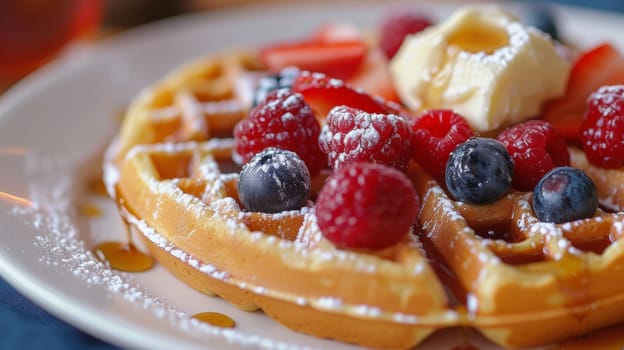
[90, 210]
[123, 256]
[457, 293]
[96, 186]
[596, 245]
[215, 319]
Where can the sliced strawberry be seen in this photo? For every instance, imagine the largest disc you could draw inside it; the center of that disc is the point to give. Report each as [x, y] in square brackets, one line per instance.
[339, 59]
[323, 93]
[374, 77]
[602, 65]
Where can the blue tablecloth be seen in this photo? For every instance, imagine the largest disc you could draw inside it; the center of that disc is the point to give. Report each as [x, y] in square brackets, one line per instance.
[23, 325]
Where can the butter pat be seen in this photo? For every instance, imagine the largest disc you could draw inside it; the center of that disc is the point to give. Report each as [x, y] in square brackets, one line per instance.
[482, 63]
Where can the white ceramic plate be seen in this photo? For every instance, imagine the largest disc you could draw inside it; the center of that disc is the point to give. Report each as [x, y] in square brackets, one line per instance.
[53, 128]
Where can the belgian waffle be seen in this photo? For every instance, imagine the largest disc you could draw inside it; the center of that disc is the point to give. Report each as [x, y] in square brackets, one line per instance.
[524, 282]
[277, 262]
[204, 99]
[493, 267]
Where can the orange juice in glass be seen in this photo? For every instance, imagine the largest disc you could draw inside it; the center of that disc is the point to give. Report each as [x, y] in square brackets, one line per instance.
[33, 31]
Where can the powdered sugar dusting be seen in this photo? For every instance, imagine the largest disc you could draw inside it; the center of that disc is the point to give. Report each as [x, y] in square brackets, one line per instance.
[59, 240]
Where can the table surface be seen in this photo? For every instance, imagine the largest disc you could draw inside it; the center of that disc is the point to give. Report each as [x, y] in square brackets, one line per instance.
[25, 325]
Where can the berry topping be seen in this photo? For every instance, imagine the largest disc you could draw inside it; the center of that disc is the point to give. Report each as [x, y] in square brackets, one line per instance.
[285, 121]
[367, 206]
[338, 58]
[282, 80]
[396, 26]
[602, 132]
[436, 133]
[274, 180]
[479, 171]
[565, 194]
[603, 65]
[536, 149]
[324, 93]
[351, 135]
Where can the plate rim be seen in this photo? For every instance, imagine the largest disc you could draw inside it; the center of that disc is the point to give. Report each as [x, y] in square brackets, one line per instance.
[54, 303]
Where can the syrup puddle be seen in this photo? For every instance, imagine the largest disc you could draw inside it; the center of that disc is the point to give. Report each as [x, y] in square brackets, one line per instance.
[123, 256]
[90, 210]
[215, 319]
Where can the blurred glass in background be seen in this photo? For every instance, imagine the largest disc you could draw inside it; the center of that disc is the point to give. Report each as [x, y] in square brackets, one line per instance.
[32, 32]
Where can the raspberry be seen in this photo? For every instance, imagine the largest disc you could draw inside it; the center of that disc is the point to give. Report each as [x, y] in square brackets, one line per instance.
[366, 206]
[602, 131]
[536, 149]
[352, 135]
[283, 121]
[436, 133]
[396, 26]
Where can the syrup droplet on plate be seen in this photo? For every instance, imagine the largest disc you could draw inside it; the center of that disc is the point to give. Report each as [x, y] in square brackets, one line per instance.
[97, 186]
[215, 319]
[90, 210]
[123, 256]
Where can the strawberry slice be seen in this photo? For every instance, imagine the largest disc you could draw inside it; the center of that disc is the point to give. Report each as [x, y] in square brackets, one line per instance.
[323, 93]
[602, 65]
[373, 76]
[339, 59]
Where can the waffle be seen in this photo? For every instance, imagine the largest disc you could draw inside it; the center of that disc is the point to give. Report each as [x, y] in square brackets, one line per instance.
[494, 267]
[204, 99]
[524, 282]
[277, 262]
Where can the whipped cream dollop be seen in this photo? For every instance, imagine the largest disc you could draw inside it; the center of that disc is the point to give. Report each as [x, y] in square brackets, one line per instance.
[484, 64]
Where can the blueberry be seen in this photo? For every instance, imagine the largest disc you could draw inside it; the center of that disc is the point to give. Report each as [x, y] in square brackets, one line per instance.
[564, 194]
[541, 17]
[274, 180]
[284, 79]
[479, 171]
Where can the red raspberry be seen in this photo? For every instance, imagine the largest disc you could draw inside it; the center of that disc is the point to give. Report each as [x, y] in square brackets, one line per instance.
[436, 133]
[602, 131]
[536, 149]
[396, 26]
[284, 121]
[366, 206]
[352, 135]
